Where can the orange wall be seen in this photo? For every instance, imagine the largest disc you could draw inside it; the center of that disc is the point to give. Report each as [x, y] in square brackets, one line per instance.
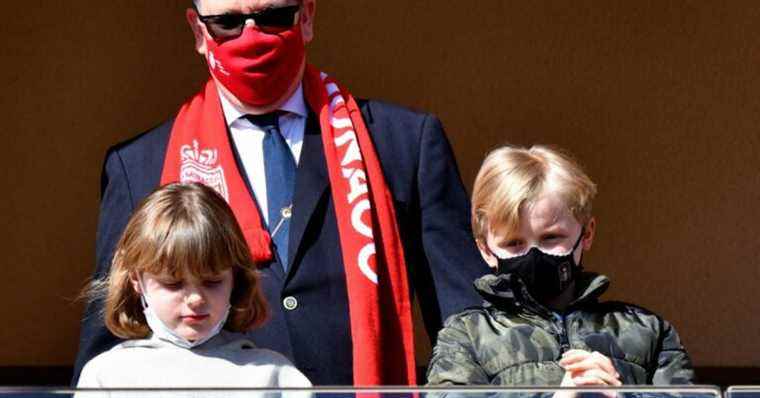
[659, 99]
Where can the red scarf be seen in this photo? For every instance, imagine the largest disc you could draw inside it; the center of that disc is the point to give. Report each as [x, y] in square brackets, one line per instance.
[199, 150]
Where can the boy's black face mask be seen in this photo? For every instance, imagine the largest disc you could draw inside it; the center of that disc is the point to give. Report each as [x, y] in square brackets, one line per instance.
[545, 275]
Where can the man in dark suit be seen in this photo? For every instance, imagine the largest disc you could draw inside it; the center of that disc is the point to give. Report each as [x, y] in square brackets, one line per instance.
[305, 280]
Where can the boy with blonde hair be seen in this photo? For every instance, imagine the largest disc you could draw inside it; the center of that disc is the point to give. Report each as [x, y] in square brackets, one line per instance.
[542, 322]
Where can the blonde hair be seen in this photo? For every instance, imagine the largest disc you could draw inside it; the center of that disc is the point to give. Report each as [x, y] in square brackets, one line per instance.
[180, 229]
[513, 177]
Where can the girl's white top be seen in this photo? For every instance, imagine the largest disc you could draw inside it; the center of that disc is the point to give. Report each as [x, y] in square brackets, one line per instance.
[227, 360]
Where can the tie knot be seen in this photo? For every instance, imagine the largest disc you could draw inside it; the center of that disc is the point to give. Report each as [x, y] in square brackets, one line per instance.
[267, 121]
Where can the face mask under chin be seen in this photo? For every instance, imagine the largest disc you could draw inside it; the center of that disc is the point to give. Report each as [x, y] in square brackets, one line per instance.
[163, 332]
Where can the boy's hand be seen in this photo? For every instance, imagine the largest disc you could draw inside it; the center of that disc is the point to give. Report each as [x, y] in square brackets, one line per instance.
[585, 368]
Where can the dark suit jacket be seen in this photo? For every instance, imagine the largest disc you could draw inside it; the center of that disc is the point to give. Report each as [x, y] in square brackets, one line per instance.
[433, 215]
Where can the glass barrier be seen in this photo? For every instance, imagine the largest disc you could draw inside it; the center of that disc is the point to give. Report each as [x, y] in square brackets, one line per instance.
[743, 392]
[467, 392]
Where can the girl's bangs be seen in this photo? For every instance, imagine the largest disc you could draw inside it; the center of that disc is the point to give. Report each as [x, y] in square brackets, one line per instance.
[188, 249]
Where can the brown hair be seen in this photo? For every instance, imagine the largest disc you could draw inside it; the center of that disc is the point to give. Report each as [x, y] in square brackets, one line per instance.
[179, 229]
[513, 177]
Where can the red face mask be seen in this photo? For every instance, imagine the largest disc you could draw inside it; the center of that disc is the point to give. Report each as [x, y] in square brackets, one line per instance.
[256, 67]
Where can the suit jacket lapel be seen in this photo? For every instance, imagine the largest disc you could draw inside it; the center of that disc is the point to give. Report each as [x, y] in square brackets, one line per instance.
[312, 182]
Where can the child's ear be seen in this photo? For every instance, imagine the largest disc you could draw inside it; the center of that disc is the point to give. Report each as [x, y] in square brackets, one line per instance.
[487, 254]
[134, 279]
[588, 234]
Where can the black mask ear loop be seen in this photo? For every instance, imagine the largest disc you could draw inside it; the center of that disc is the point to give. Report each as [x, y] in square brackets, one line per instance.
[579, 265]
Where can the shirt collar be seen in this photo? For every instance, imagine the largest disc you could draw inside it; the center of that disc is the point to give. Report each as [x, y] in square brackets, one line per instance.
[295, 105]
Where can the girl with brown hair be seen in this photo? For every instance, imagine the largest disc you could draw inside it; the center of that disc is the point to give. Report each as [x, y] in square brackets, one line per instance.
[181, 289]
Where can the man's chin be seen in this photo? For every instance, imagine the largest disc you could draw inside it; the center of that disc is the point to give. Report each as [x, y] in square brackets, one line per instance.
[253, 109]
[257, 109]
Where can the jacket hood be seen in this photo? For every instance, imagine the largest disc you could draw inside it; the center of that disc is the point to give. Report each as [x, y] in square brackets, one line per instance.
[508, 290]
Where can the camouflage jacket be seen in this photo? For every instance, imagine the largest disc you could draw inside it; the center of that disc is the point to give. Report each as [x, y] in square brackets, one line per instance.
[513, 340]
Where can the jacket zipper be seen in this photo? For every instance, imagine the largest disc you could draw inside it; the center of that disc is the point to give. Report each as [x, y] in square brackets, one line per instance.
[564, 341]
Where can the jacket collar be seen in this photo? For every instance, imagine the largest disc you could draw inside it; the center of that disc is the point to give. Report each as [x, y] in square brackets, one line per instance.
[225, 340]
[508, 290]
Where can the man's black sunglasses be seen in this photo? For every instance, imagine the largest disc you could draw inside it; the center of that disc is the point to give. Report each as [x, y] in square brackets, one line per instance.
[229, 26]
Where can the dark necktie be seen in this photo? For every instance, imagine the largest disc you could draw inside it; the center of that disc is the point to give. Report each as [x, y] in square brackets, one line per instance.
[280, 170]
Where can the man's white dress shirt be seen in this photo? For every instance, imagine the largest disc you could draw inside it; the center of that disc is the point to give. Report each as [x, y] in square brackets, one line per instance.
[248, 139]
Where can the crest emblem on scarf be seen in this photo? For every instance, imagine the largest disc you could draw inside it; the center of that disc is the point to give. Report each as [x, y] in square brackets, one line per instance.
[201, 165]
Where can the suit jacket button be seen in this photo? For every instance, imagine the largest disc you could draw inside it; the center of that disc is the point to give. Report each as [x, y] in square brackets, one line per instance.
[290, 303]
